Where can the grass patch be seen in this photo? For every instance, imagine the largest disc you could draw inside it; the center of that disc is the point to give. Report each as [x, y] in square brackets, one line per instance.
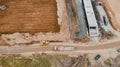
[20, 61]
[36, 60]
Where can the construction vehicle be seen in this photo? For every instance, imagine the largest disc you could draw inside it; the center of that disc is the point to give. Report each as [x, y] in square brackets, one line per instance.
[44, 43]
[105, 20]
[64, 48]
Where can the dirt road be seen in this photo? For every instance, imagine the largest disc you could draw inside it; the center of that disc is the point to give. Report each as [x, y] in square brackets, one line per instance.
[36, 48]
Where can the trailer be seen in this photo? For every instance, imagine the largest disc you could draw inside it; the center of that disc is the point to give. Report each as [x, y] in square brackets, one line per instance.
[64, 48]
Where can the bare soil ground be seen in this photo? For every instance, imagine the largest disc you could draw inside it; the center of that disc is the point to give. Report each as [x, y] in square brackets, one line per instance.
[34, 24]
[113, 8]
[29, 16]
[116, 8]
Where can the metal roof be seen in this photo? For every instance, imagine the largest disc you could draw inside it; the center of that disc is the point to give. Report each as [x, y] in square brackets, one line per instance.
[90, 13]
[101, 12]
[91, 19]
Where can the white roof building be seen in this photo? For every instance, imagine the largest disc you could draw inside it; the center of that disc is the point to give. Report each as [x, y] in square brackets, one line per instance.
[91, 19]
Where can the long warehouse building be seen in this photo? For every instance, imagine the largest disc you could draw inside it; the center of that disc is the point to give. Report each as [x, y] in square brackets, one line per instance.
[90, 18]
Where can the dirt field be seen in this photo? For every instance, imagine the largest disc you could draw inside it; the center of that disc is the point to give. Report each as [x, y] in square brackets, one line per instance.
[113, 8]
[116, 8]
[29, 16]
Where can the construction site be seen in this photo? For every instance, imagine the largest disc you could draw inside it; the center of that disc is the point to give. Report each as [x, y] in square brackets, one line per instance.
[38, 20]
[29, 21]
[59, 33]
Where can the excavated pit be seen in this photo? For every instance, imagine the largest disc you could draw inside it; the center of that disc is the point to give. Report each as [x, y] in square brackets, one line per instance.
[28, 16]
[31, 21]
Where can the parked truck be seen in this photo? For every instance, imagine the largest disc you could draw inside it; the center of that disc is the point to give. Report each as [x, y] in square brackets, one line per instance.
[64, 48]
[105, 20]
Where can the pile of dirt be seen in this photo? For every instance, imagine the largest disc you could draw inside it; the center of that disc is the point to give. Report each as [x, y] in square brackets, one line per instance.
[3, 42]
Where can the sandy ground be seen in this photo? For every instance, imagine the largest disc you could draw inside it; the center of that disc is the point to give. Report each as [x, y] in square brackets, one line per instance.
[38, 48]
[29, 16]
[107, 51]
[116, 8]
[113, 9]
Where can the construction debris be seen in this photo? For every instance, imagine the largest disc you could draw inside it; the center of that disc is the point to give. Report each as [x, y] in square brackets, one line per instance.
[2, 7]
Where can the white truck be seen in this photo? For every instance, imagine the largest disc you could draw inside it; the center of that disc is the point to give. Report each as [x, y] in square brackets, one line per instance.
[64, 48]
